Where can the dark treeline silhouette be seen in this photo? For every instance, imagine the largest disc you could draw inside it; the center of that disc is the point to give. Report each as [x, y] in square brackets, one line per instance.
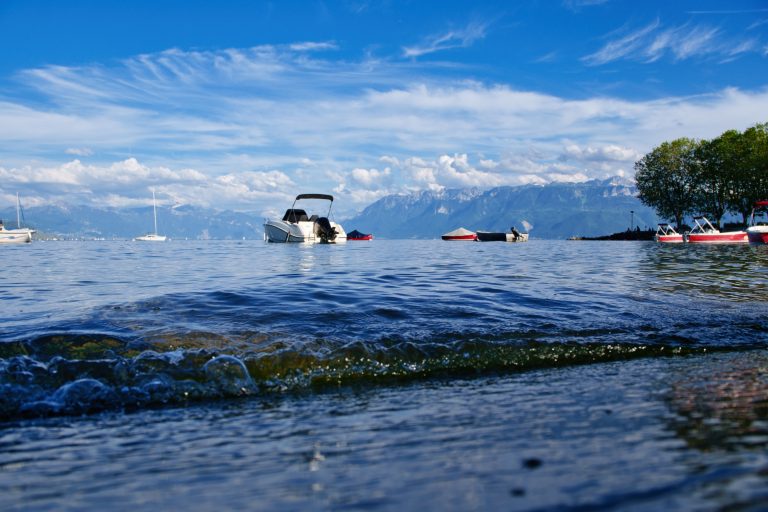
[706, 177]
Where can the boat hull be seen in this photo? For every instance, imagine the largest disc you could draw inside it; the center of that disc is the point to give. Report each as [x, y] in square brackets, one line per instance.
[670, 239]
[15, 238]
[361, 238]
[758, 235]
[731, 237]
[151, 238]
[278, 231]
[464, 238]
[484, 236]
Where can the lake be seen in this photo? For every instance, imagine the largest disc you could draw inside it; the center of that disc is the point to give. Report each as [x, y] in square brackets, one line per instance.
[383, 375]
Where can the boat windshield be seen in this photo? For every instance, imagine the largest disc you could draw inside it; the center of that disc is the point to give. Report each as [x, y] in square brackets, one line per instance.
[703, 226]
[295, 215]
[666, 229]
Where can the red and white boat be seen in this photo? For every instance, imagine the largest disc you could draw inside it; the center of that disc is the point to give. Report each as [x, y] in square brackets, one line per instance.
[460, 234]
[357, 235]
[705, 233]
[667, 234]
[757, 232]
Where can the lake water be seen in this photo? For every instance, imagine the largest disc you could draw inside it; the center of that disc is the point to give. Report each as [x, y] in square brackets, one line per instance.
[383, 375]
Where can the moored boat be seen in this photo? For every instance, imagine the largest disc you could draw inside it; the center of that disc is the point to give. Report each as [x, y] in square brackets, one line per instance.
[297, 226]
[154, 236]
[512, 236]
[16, 236]
[460, 234]
[757, 232]
[705, 233]
[667, 234]
[357, 235]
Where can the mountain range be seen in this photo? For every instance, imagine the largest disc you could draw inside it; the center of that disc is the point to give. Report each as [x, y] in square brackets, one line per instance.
[555, 210]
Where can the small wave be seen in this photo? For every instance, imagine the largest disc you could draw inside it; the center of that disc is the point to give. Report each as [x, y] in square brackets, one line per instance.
[84, 373]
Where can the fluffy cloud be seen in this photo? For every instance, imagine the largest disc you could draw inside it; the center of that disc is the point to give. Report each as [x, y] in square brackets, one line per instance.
[607, 153]
[369, 177]
[129, 182]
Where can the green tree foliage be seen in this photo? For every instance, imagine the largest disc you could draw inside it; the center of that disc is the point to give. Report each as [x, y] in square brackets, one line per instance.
[727, 174]
[665, 179]
[752, 178]
[717, 163]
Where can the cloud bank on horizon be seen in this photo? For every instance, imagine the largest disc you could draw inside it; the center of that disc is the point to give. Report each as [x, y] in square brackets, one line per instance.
[249, 127]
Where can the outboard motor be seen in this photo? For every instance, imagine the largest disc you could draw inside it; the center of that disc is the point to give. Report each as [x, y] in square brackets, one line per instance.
[324, 231]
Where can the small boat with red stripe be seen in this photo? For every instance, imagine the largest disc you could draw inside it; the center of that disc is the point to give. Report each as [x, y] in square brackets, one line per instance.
[705, 233]
[667, 234]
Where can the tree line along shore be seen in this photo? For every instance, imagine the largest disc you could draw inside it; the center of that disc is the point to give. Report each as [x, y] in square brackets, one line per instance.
[687, 177]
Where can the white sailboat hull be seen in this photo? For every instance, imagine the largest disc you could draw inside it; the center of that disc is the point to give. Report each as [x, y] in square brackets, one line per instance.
[151, 238]
[16, 236]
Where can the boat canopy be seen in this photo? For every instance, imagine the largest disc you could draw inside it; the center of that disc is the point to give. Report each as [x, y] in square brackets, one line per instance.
[460, 232]
[357, 234]
[315, 196]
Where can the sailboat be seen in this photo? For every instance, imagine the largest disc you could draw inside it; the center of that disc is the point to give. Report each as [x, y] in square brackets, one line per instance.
[19, 235]
[152, 237]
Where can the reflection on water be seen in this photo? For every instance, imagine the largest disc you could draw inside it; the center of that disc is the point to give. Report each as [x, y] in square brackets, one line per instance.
[722, 406]
[728, 272]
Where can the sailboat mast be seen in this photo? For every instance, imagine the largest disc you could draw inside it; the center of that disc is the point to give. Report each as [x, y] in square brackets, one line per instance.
[154, 209]
[18, 208]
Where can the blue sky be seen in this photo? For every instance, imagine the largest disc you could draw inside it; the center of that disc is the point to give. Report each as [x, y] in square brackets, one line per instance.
[242, 105]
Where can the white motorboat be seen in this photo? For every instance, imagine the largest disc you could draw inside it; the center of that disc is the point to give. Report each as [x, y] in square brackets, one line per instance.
[297, 226]
[16, 236]
[152, 237]
[757, 232]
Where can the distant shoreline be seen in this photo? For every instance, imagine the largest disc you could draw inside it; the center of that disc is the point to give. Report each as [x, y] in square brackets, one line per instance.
[638, 236]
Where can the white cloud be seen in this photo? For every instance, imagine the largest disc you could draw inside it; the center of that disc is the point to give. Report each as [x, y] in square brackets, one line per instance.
[79, 151]
[369, 177]
[652, 42]
[622, 47]
[313, 46]
[610, 153]
[459, 38]
[128, 182]
[250, 128]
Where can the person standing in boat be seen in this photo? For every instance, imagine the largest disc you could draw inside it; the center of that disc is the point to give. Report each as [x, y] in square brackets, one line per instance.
[515, 232]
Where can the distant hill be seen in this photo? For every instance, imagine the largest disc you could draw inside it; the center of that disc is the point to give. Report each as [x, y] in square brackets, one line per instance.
[67, 221]
[556, 210]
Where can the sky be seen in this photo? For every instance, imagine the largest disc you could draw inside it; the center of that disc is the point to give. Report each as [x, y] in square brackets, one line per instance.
[244, 104]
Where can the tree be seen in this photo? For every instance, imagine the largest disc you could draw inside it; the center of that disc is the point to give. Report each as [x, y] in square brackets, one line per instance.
[751, 184]
[716, 171]
[665, 179]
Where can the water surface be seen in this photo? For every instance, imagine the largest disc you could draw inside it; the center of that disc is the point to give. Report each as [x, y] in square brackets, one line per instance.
[383, 375]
